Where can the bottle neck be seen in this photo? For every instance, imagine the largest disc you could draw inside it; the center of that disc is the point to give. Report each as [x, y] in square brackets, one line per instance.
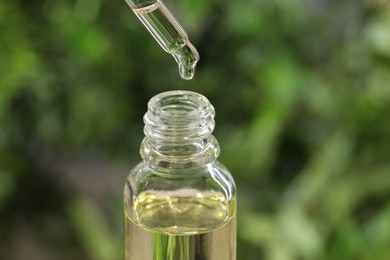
[178, 131]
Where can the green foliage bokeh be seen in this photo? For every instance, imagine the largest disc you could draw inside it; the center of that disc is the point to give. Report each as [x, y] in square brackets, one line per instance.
[302, 95]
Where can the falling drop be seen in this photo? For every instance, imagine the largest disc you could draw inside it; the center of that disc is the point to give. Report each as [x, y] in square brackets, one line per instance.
[186, 57]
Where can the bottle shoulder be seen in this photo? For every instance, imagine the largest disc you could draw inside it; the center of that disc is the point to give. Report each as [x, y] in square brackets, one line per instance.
[223, 177]
[212, 176]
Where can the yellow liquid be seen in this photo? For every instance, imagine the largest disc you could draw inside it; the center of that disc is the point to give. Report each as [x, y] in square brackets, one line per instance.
[191, 226]
[170, 35]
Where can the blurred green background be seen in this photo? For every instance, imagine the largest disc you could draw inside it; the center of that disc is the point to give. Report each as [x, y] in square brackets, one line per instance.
[302, 94]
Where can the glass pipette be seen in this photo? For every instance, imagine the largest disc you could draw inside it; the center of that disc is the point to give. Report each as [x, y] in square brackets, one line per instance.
[168, 33]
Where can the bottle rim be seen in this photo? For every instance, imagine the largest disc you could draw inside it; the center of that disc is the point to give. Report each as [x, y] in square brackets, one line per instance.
[179, 115]
[192, 104]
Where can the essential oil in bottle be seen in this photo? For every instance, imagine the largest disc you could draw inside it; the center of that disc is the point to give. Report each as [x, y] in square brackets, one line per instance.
[179, 202]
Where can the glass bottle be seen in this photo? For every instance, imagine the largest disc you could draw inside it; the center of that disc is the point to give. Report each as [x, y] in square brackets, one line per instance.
[179, 202]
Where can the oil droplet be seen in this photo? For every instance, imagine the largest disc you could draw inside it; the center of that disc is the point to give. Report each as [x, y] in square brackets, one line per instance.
[186, 57]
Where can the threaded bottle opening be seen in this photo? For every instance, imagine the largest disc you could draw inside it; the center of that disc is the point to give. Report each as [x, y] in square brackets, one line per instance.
[179, 116]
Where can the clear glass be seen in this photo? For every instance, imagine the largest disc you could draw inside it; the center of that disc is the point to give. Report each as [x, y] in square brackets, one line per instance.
[179, 202]
[166, 30]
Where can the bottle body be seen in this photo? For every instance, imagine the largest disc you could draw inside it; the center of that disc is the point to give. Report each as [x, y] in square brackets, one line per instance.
[180, 202]
[215, 244]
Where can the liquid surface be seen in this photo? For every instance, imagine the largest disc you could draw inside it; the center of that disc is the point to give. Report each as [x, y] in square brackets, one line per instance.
[170, 35]
[180, 225]
[183, 211]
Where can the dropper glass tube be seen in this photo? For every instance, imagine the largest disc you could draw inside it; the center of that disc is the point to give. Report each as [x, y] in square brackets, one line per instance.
[167, 31]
